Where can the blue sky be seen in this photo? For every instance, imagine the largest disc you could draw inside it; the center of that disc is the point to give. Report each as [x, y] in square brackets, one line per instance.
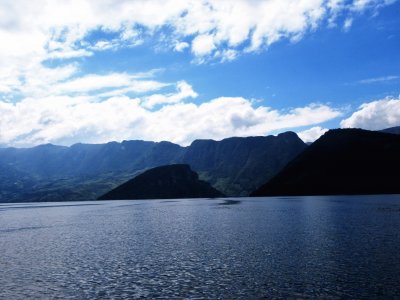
[85, 71]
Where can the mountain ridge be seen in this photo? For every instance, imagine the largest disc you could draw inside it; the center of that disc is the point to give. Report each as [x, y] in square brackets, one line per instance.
[85, 171]
[392, 130]
[342, 161]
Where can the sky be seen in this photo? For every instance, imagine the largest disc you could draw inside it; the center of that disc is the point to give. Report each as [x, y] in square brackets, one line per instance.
[178, 70]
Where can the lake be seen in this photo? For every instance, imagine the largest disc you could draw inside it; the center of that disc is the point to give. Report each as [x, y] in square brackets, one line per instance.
[239, 248]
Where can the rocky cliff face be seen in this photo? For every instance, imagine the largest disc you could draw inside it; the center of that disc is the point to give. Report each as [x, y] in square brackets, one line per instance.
[237, 166]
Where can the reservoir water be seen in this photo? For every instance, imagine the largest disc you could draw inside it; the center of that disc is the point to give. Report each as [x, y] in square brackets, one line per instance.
[239, 248]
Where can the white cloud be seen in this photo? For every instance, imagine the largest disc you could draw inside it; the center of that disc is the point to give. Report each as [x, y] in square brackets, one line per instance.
[378, 79]
[33, 32]
[135, 86]
[39, 81]
[375, 115]
[336, 5]
[312, 134]
[203, 45]
[93, 82]
[227, 55]
[360, 5]
[180, 46]
[259, 22]
[119, 81]
[184, 90]
[347, 24]
[68, 53]
[67, 119]
[41, 41]
[104, 45]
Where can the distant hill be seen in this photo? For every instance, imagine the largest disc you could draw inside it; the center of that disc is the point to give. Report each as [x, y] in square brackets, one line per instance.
[54, 162]
[393, 130]
[165, 182]
[235, 166]
[342, 161]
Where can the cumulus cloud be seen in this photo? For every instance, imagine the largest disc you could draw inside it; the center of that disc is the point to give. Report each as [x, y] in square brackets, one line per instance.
[312, 134]
[180, 46]
[70, 119]
[185, 90]
[375, 115]
[34, 32]
[53, 100]
[203, 45]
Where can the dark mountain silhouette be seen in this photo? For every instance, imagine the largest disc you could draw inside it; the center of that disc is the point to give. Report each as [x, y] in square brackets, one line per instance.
[393, 130]
[235, 166]
[342, 161]
[165, 182]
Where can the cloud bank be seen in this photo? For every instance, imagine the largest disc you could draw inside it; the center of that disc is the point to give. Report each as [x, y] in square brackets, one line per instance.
[33, 33]
[46, 97]
[65, 120]
[375, 115]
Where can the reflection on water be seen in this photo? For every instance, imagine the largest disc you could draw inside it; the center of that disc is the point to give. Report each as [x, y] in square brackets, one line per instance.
[298, 247]
[229, 202]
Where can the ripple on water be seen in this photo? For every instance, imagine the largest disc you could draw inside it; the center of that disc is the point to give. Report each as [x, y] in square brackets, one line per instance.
[308, 248]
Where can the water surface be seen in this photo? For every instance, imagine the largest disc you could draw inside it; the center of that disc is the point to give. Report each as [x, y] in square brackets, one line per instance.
[243, 248]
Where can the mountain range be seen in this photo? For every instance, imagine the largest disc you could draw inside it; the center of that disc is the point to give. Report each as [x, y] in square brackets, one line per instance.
[235, 166]
[342, 161]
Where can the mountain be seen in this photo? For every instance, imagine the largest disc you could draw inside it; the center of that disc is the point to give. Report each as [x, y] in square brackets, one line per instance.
[235, 166]
[13, 182]
[82, 171]
[342, 161]
[393, 130]
[165, 182]
[54, 162]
